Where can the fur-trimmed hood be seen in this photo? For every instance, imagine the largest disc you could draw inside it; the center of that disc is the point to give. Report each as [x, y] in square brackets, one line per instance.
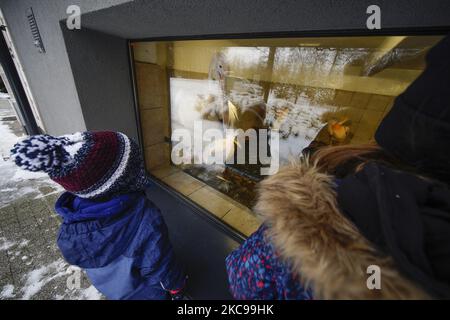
[326, 250]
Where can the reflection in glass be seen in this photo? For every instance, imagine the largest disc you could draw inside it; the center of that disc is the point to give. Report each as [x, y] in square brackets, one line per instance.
[312, 91]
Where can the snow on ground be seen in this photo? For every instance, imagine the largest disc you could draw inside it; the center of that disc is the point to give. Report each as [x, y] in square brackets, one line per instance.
[31, 265]
[43, 280]
[298, 124]
[246, 94]
[52, 275]
[14, 182]
[7, 292]
[185, 95]
[38, 278]
[5, 244]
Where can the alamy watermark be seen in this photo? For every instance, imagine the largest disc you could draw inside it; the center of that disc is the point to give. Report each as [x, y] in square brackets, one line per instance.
[73, 21]
[374, 20]
[214, 146]
[374, 280]
[74, 278]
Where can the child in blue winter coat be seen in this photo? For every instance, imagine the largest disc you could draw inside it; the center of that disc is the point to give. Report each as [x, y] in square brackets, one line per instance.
[110, 229]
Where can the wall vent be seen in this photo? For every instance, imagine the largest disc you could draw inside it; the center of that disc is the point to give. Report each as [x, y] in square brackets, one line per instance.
[35, 30]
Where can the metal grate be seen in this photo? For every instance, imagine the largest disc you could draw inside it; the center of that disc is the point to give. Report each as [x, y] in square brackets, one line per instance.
[35, 31]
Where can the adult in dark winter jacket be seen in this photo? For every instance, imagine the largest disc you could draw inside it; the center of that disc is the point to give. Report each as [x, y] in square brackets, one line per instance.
[110, 229]
[334, 220]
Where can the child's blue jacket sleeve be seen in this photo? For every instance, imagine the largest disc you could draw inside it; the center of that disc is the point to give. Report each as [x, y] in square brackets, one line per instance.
[123, 245]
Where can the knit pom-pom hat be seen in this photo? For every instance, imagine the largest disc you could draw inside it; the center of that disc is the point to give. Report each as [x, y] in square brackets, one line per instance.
[87, 164]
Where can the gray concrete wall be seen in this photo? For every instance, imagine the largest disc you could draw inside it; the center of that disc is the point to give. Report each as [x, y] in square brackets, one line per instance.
[175, 18]
[49, 74]
[89, 86]
[101, 69]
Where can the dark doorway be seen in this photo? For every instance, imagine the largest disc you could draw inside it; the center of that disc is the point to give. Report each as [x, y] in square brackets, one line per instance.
[17, 89]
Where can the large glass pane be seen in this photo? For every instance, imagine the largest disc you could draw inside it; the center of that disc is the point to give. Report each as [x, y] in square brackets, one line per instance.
[306, 91]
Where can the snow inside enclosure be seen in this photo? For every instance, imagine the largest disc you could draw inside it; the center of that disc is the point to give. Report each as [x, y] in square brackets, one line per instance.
[298, 123]
[312, 92]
